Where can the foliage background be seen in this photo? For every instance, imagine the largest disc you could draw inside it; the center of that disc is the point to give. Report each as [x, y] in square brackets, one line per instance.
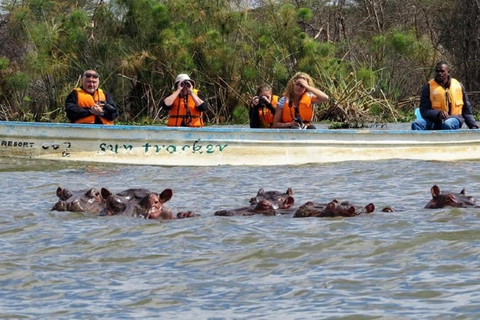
[370, 56]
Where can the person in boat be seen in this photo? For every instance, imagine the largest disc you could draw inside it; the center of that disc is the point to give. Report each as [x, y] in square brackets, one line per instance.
[185, 105]
[295, 109]
[262, 107]
[444, 104]
[89, 103]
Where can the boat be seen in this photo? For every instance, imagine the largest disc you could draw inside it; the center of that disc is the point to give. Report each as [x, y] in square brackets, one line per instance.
[228, 145]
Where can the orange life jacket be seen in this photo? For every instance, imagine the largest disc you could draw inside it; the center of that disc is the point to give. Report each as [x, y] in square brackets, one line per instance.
[305, 110]
[86, 100]
[185, 115]
[438, 97]
[265, 115]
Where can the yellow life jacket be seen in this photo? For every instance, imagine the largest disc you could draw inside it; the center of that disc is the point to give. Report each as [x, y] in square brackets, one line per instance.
[305, 110]
[86, 100]
[265, 115]
[438, 97]
[185, 115]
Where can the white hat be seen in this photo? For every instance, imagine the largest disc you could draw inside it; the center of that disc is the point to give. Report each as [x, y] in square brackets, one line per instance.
[182, 77]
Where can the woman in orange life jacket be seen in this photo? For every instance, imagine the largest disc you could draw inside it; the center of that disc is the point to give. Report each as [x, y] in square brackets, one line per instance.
[295, 108]
[185, 104]
[89, 103]
[262, 107]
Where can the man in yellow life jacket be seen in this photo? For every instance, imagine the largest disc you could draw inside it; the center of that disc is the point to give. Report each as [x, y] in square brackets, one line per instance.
[185, 105]
[262, 107]
[444, 104]
[89, 104]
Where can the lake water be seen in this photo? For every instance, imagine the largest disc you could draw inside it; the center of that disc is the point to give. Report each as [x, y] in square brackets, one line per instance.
[411, 264]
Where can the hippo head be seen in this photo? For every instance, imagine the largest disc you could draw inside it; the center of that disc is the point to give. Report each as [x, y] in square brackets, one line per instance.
[264, 207]
[449, 199]
[138, 203]
[278, 199]
[79, 201]
[334, 209]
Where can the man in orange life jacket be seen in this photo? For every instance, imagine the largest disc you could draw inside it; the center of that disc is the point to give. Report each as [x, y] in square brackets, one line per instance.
[185, 104]
[444, 104]
[89, 104]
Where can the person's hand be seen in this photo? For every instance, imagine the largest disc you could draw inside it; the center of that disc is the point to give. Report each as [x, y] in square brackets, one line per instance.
[254, 101]
[97, 109]
[294, 124]
[443, 115]
[179, 86]
[303, 83]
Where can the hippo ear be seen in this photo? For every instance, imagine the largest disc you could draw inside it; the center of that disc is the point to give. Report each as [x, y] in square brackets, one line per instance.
[260, 192]
[59, 192]
[290, 201]
[463, 191]
[388, 209]
[105, 193]
[369, 208]
[332, 205]
[289, 192]
[63, 194]
[92, 193]
[165, 195]
[435, 191]
[335, 200]
[351, 211]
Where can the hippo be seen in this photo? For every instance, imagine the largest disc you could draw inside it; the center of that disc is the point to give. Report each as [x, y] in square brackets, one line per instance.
[279, 200]
[331, 209]
[264, 207]
[141, 203]
[449, 199]
[89, 200]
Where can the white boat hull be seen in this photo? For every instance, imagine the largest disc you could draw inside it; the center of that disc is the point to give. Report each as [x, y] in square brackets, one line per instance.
[210, 146]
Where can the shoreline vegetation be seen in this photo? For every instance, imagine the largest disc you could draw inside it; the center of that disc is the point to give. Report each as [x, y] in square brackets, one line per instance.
[370, 56]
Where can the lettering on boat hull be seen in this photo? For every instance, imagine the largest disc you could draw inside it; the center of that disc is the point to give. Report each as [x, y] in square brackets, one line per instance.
[17, 144]
[156, 148]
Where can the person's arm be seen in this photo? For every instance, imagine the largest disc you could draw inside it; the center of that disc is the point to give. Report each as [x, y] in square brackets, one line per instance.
[467, 111]
[110, 110]
[200, 101]
[318, 95]
[168, 101]
[253, 114]
[426, 109]
[271, 108]
[277, 117]
[74, 112]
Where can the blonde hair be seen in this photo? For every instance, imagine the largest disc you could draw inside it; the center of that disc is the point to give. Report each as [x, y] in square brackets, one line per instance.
[289, 90]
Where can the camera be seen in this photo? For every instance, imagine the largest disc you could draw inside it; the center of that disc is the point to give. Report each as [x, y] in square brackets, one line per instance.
[263, 101]
[107, 107]
[299, 120]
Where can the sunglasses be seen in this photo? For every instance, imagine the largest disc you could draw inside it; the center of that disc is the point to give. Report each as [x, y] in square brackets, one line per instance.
[91, 75]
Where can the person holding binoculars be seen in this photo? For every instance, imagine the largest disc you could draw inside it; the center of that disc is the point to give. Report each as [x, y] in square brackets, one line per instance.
[185, 105]
[89, 103]
[295, 108]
